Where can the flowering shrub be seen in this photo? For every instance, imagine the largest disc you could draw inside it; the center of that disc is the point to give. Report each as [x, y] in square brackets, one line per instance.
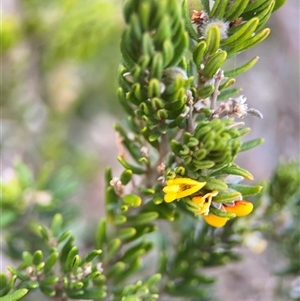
[178, 145]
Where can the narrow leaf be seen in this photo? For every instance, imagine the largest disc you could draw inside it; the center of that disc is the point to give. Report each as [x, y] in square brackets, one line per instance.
[250, 144]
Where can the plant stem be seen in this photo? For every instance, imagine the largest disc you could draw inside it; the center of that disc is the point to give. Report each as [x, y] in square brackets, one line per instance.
[213, 99]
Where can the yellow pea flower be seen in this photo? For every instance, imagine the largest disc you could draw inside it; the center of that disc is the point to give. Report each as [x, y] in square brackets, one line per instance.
[215, 221]
[180, 187]
[240, 208]
[203, 202]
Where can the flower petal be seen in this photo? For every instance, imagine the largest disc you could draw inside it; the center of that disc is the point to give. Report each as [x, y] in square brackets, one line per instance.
[215, 221]
[201, 204]
[240, 208]
[170, 197]
[185, 181]
[189, 191]
[181, 187]
[171, 189]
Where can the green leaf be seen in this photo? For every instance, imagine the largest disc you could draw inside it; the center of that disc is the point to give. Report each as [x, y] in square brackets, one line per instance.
[15, 296]
[112, 248]
[50, 262]
[132, 200]
[163, 31]
[242, 69]
[205, 4]
[213, 37]
[75, 263]
[65, 251]
[135, 28]
[130, 145]
[56, 225]
[221, 213]
[154, 135]
[227, 197]
[116, 269]
[69, 264]
[251, 144]
[255, 40]
[108, 176]
[94, 293]
[204, 164]
[129, 61]
[214, 63]
[218, 9]
[120, 219]
[166, 211]
[206, 91]
[111, 200]
[37, 257]
[236, 9]
[180, 49]
[92, 255]
[168, 52]
[144, 12]
[3, 281]
[234, 170]
[278, 4]
[126, 233]
[212, 183]
[32, 285]
[256, 6]
[153, 280]
[27, 259]
[44, 232]
[228, 83]
[198, 53]
[143, 218]
[187, 21]
[132, 268]
[134, 169]
[125, 104]
[50, 280]
[128, 9]
[157, 66]
[18, 273]
[132, 255]
[147, 44]
[47, 290]
[63, 236]
[242, 33]
[225, 94]
[265, 15]
[246, 190]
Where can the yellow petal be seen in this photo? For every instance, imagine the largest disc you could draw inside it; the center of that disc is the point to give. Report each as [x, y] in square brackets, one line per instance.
[171, 189]
[201, 204]
[215, 221]
[240, 208]
[181, 187]
[185, 181]
[170, 197]
[189, 191]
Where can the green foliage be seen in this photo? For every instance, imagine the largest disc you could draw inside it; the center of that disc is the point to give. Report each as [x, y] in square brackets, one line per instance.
[16, 295]
[282, 198]
[59, 269]
[22, 194]
[177, 136]
[279, 223]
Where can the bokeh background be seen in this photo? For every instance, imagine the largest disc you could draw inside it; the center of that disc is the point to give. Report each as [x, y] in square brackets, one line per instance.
[60, 63]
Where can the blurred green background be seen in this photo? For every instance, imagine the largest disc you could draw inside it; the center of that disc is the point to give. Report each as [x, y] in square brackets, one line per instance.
[59, 78]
